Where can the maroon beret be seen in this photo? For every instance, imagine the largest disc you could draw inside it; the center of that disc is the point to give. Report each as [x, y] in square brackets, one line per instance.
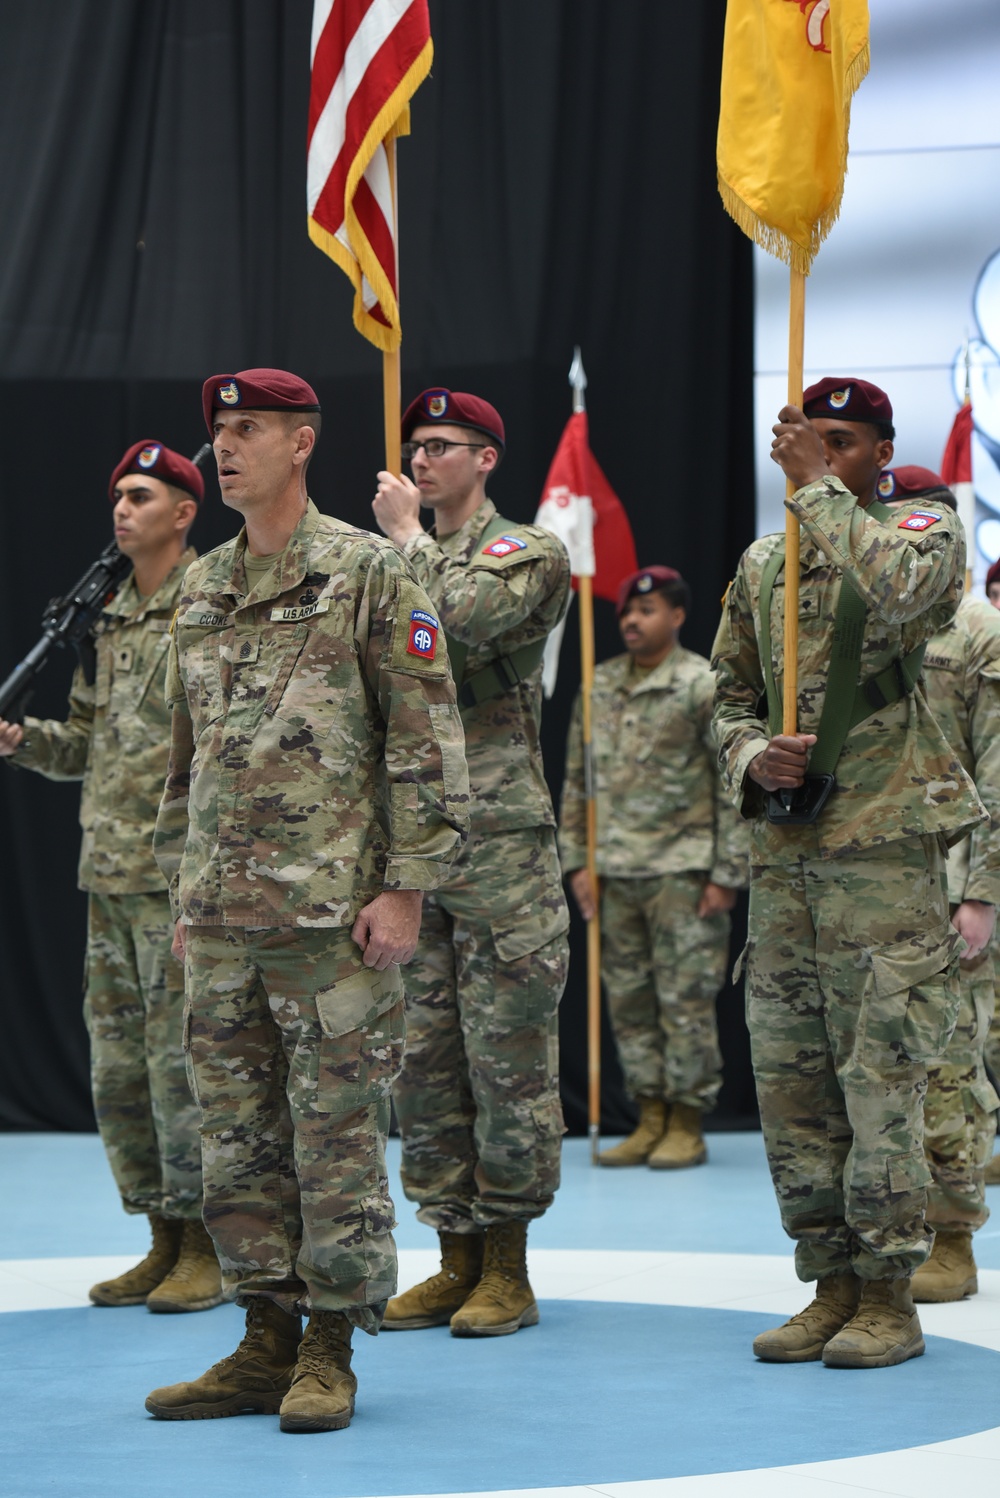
[257, 390]
[852, 400]
[457, 409]
[993, 575]
[151, 457]
[646, 580]
[914, 482]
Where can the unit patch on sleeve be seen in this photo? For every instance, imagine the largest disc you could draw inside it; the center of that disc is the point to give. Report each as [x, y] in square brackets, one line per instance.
[919, 520]
[504, 545]
[423, 635]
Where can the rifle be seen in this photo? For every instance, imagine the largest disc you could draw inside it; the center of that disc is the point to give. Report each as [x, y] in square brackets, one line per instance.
[69, 620]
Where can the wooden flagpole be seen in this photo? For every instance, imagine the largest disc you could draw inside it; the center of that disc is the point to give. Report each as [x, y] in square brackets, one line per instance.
[392, 403]
[796, 360]
[585, 596]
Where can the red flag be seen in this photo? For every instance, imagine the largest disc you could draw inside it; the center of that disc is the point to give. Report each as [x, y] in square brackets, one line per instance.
[581, 508]
[956, 470]
[368, 59]
[956, 462]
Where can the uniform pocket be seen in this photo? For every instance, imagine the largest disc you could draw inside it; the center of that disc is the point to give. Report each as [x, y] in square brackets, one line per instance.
[361, 1047]
[907, 1172]
[916, 997]
[532, 961]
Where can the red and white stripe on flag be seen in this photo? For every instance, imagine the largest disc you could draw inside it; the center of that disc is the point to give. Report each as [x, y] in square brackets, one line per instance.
[368, 59]
[581, 508]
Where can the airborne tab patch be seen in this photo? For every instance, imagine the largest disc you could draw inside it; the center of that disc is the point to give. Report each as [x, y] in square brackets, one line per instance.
[423, 635]
[504, 545]
[919, 520]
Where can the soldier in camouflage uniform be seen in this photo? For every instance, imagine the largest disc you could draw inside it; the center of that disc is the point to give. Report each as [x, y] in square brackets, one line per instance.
[992, 1175]
[671, 854]
[961, 679]
[852, 963]
[316, 787]
[115, 741]
[478, 1097]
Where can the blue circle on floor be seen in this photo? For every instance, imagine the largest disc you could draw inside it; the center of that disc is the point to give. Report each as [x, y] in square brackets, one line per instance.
[597, 1393]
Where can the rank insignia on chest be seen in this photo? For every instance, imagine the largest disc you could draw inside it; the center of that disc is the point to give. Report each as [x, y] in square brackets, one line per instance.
[504, 545]
[423, 635]
[919, 520]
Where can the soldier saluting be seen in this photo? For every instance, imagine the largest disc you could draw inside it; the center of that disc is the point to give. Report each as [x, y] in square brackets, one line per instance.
[852, 964]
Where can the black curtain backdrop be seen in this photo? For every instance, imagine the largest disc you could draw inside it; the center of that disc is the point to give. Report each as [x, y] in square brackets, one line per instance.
[558, 188]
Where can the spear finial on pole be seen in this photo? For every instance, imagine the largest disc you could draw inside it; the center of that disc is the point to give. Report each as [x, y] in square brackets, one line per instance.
[578, 381]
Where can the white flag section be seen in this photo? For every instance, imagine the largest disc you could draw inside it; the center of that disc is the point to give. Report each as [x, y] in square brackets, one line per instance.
[570, 517]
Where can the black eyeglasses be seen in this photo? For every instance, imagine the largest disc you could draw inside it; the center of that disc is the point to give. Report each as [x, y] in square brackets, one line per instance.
[434, 447]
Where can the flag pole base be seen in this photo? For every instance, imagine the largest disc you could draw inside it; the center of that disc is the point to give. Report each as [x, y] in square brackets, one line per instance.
[595, 1133]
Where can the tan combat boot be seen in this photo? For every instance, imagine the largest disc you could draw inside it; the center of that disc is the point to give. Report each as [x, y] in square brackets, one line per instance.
[133, 1287]
[635, 1150]
[683, 1144]
[435, 1301]
[252, 1380]
[195, 1282]
[949, 1273]
[884, 1330]
[992, 1173]
[802, 1339]
[502, 1302]
[323, 1388]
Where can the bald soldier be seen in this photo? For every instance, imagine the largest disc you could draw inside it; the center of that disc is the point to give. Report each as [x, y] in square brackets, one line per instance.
[961, 677]
[115, 741]
[852, 964]
[317, 787]
[478, 1096]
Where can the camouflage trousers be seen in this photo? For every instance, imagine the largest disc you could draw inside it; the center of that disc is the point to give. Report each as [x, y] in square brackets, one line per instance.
[852, 989]
[959, 1115]
[134, 1009]
[993, 1038]
[478, 1097]
[662, 968]
[293, 1046]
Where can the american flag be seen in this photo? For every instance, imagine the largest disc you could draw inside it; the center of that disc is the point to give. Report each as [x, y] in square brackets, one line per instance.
[368, 59]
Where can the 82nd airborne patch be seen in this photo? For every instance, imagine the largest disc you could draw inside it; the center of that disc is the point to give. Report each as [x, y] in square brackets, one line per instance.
[919, 520]
[504, 545]
[423, 635]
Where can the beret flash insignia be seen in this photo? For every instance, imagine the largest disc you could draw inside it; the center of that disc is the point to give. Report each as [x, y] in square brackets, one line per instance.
[229, 394]
[887, 485]
[644, 584]
[838, 399]
[437, 403]
[148, 457]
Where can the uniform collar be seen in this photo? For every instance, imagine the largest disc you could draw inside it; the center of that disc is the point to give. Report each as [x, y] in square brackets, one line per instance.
[659, 677]
[289, 570]
[462, 544]
[127, 604]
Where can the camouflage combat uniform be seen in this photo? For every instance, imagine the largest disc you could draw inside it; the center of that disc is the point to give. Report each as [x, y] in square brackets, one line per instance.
[478, 1096]
[116, 739]
[316, 759]
[852, 964]
[664, 828]
[962, 683]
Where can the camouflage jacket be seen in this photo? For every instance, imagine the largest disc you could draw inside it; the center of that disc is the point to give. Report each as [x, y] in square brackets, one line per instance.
[495, 603]
[896, 777]
[116, 739]
[962, 684]
[316, 748]
[661, 806]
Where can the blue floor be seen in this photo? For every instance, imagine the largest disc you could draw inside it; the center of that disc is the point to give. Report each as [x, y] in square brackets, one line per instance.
[596, 1393]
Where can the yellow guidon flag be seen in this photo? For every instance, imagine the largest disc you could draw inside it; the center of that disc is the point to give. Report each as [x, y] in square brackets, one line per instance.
[789, 70]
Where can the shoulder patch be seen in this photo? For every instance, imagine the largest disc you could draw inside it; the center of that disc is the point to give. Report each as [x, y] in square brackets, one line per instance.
[919, 520]
[423, 635]
[503, 546]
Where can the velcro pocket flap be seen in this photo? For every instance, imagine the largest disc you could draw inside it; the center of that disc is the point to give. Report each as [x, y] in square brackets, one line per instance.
[357, 1001]
[904, 965]
[518, 935]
